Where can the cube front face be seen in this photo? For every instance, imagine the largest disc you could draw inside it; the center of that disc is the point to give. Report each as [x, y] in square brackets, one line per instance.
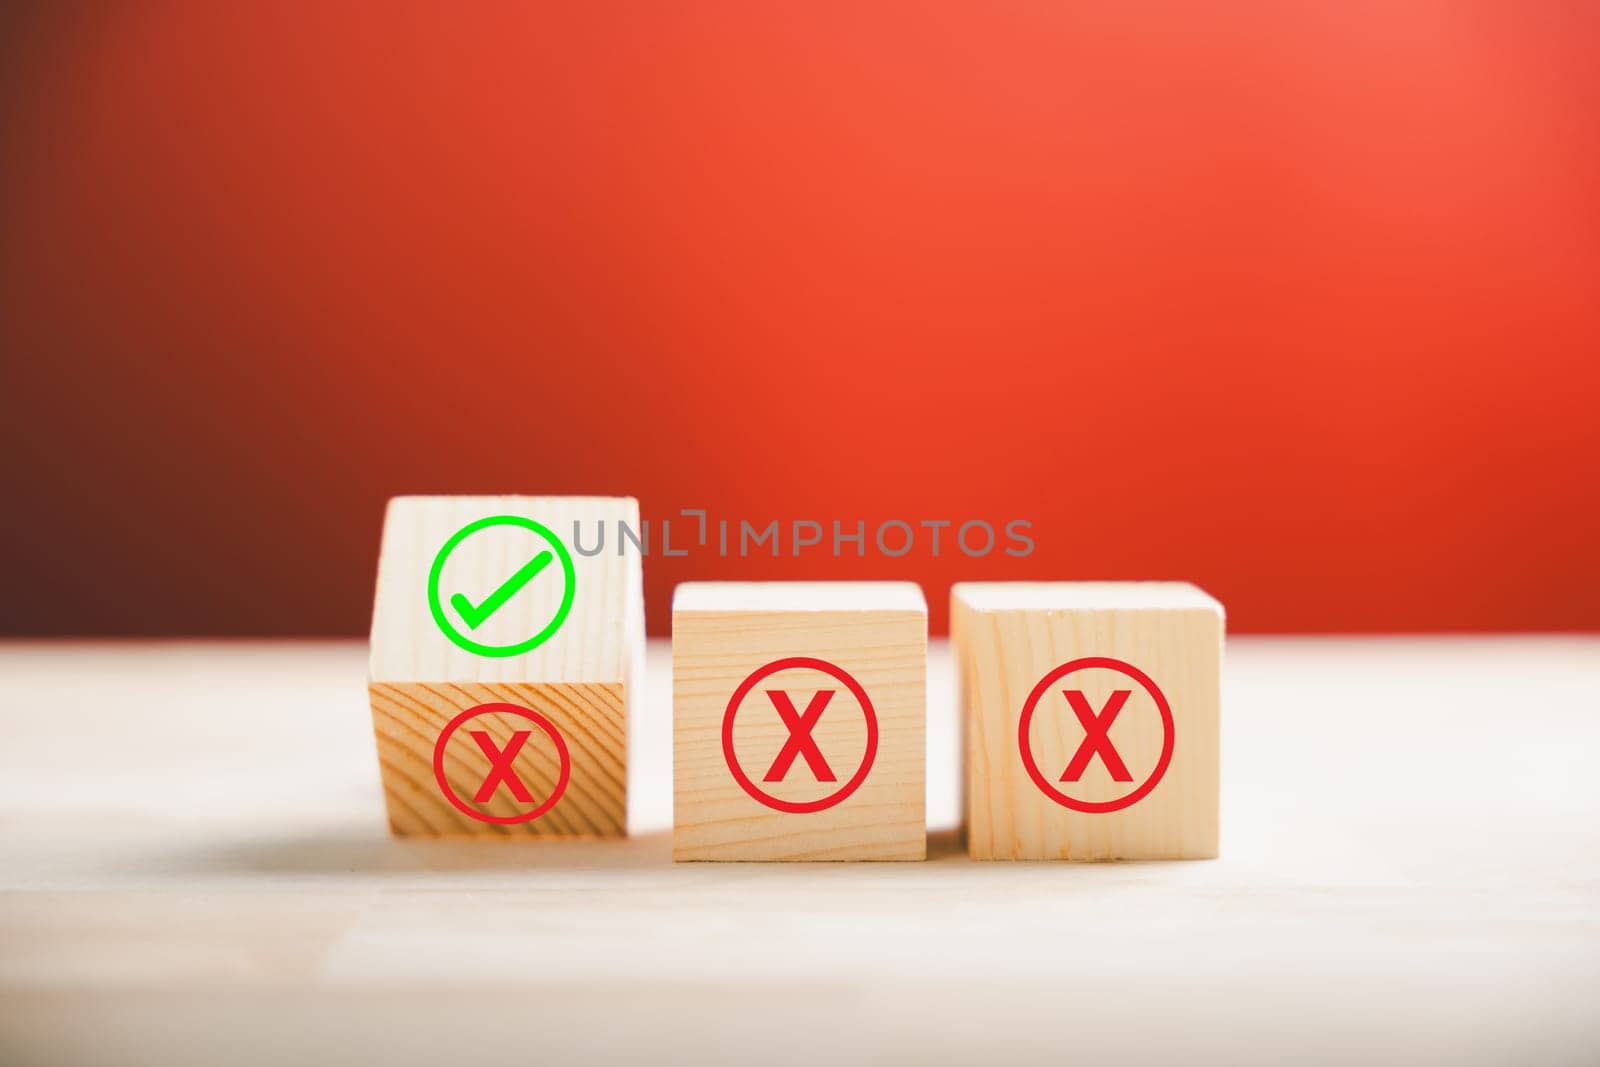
[1092, 732]
[799, 735]
[504, 654]
[517, 760]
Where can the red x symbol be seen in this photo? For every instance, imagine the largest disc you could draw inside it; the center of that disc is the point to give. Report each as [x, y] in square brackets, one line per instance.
[1097, 737]
[500, 769]
[800, 742]
[500, 766]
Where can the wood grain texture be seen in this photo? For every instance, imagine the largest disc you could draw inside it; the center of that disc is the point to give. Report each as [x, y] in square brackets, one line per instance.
[408, 717]
[1008, 637]
[581, 680]
[876, 633]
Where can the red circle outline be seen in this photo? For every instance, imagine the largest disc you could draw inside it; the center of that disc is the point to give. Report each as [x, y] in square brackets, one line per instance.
[1095, 807]
[562, 778]
[840, 675]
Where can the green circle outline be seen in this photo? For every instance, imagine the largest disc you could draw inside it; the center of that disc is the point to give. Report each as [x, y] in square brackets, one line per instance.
[461, 640]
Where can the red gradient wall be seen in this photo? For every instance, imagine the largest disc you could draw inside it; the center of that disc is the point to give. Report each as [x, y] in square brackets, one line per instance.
[1298, 301]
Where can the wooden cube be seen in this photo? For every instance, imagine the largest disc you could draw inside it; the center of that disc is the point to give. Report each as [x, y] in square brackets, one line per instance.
[798, 716]
[504, 661]
[1091, 718]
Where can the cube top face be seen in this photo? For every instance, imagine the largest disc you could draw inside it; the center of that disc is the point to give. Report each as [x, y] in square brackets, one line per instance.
[1091, 712]
[846, 597]
[500, 589]
[1083, 596]
[799, 713]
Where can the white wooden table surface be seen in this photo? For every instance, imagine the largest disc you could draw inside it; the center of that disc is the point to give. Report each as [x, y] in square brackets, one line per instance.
[194, 868]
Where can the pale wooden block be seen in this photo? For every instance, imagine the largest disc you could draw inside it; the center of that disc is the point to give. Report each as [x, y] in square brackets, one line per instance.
[558, 698]
[1095, 791]
[746, 655]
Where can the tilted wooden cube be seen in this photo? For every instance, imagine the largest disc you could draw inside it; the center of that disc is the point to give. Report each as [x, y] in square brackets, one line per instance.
[799, 712]
[505, 656]
[1091, 718]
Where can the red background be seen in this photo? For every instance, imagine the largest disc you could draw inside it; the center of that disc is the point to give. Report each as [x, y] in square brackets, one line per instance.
[1298, 301]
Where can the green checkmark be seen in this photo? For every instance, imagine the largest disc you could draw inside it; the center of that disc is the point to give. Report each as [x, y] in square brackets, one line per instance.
[475, 616]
